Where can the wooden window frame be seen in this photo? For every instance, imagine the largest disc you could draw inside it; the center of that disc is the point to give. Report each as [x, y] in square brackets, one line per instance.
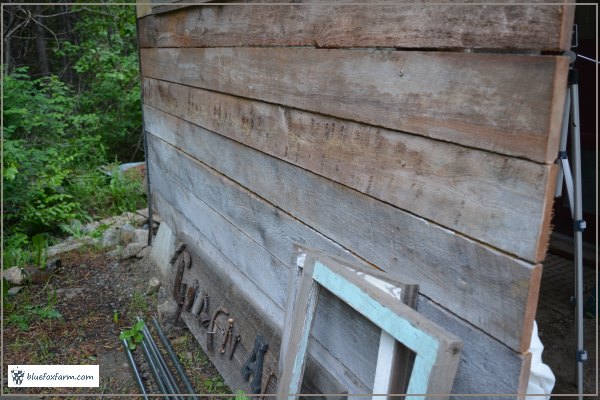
[437, 352]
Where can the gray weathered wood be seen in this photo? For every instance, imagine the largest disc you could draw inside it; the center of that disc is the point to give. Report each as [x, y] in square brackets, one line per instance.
[437, 351]
[478, 372]
[492, 290]
[334, 318]
[164, 6]
[392, 370]
[233, 244]
[498, 26]
[496, 199]
[503, 103]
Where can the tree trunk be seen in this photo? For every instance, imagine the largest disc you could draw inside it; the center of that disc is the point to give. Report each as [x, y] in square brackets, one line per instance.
[8, 22]
[40, 43]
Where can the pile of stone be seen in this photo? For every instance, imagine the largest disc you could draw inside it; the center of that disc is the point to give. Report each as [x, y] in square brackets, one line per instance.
[129, 241]
[127, 233]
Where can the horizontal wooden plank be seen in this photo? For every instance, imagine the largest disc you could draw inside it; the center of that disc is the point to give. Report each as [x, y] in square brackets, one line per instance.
[470, 279]
[502, 103]
[142, 8]
[477, 372]
[497, 26]
[333, 321]
[333, 317]
[494, 198]
[165, 6]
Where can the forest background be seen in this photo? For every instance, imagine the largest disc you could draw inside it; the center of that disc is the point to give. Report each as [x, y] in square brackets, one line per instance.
[71, 114]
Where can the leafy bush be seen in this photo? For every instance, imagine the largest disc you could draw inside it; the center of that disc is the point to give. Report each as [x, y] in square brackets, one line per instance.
[58, 132]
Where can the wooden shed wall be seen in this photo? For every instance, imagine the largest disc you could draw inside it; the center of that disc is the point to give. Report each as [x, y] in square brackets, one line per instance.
[371, 132]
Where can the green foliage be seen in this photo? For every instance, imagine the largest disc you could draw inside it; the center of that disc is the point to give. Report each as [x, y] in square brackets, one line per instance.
[138, 304]
[215, 385]
[107, 67]
[40, 246]
[241, 395]
[25, 313]
[134, 335]
[15, 250]
[60, 129]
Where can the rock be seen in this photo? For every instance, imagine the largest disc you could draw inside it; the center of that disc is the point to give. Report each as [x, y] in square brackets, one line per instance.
[69, 293]
[53, 265]
[69, 245]
[131, 250]
[114, 253]
[14, 290]
[167, 312]
[153, 285]
[145, 251]
[163, 247]
[14, 275]
[127, 234]
[110, 238]
[140, 236]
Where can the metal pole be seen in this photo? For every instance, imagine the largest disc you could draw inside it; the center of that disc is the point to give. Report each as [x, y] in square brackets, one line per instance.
[170, 381]
[162, 371]
[153, 369]
[145, 135]
[136, 372]
[579, 226]
[564, 136]
[173, 357]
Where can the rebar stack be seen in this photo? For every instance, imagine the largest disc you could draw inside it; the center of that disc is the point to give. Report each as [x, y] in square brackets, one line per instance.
[163, 377]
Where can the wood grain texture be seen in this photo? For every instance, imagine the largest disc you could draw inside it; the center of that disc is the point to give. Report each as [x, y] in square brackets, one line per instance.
[494, 198]
[497, 26]
[486, 365]
[470, 279]
[142, 8]
[165, 6]
[437, 350]
[500, 103]
[333, 317]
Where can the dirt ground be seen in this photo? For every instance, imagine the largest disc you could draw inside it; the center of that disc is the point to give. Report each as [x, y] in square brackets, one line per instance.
[557, 330]
[95, 297]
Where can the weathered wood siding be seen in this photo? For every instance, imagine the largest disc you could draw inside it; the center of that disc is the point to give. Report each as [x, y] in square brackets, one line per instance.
[374, 133]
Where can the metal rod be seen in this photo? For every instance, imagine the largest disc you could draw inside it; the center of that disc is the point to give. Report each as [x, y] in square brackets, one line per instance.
[564, 136]
[157, 355]
[178, 367]
[577, 216]
[136, 372]
[162, 371]
[145, 134]
[153, 369]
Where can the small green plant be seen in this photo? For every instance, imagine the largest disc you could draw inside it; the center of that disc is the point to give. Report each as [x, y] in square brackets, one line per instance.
[15, 250]
[75, 229]
[134, 335]
[241, 395]
[40, 248]
[138, 304]
[26, 314]
[214, 385]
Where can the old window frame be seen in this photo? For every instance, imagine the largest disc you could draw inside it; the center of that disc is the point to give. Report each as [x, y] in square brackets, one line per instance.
[437, 352]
